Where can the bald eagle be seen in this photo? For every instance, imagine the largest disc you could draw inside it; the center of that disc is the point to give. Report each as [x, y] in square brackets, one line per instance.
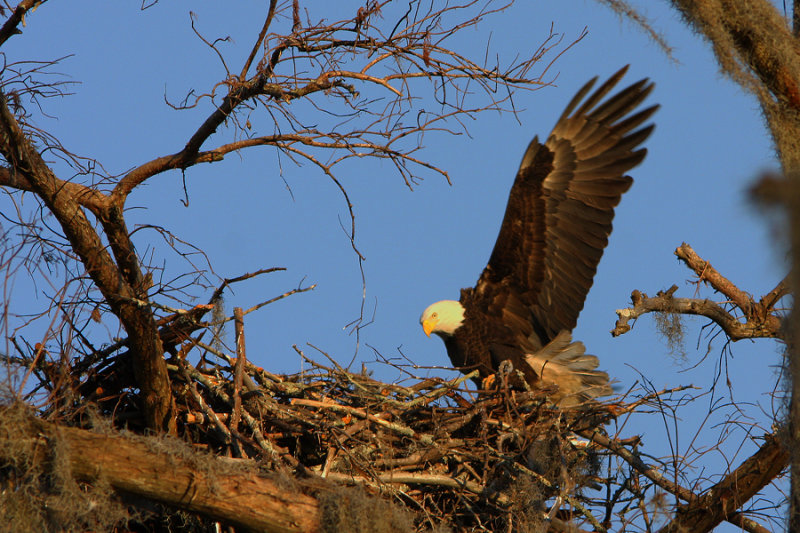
[556, 225]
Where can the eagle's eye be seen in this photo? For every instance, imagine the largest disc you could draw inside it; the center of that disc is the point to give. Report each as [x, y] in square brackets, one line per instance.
[434, 315]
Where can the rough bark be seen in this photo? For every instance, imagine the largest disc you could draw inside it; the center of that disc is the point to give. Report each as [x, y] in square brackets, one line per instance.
[793, 357]
[725, 498]
[211, 489]
[754, 44]
[119, 283]
[749, 319]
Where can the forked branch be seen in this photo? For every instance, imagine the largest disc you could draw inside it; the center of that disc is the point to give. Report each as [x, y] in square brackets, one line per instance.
[748, 319]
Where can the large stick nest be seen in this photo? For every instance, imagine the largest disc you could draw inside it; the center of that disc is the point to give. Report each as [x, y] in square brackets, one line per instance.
[482, 462]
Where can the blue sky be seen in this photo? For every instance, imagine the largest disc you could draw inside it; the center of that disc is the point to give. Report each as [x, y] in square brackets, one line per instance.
[255, 211]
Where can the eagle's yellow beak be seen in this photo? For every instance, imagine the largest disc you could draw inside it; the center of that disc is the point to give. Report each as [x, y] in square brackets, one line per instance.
[428, 324]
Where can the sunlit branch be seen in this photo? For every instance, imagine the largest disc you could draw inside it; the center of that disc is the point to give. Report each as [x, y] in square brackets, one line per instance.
[760, 318]
[259, 40]
[11, 25]
[732, 491]
[88, 197]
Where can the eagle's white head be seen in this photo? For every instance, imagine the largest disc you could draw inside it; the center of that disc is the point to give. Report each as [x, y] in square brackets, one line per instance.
[442, 318]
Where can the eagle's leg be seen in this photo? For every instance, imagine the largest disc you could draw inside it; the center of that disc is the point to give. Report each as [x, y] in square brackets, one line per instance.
[504, 371]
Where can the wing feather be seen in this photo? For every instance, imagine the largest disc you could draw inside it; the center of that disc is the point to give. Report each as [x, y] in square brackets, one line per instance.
[561, 206]
[596, 96]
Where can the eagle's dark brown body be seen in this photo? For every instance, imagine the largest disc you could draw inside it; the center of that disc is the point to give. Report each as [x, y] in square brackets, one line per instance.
[555, 229]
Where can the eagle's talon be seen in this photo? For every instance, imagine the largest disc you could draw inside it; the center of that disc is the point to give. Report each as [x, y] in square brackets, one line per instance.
[488, 382]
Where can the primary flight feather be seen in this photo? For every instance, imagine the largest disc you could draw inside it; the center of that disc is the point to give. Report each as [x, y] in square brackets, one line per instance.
[556, 226]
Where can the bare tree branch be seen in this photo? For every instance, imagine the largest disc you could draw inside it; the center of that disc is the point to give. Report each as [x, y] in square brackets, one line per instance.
[734, 490]
[11, 25]
[760, 318]
[149, 365]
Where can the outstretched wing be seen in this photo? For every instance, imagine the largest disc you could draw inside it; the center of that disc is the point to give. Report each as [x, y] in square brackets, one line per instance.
[561, 205]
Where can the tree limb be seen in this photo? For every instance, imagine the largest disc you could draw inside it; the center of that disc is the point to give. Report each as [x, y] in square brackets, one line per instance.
[139, 468]
[11, 26]
[260, 40]
[149, 365]
[760, 319]
[705, 272]
[733, 491]
[633, 459]
[721, 502]
[91, 199]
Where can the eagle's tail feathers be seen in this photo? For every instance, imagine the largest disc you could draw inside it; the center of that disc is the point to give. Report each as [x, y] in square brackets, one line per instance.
[566, 365]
